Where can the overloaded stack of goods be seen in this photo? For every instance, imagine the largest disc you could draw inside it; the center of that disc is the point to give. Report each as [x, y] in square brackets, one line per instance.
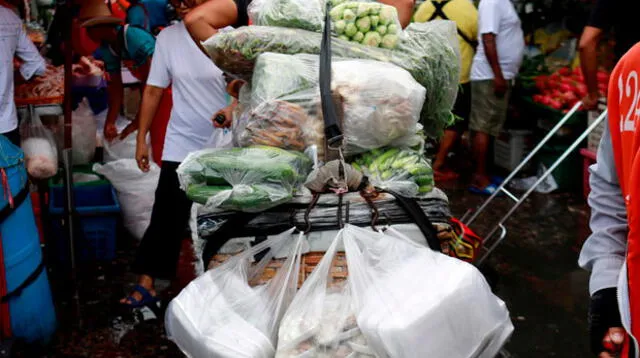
[277, 297]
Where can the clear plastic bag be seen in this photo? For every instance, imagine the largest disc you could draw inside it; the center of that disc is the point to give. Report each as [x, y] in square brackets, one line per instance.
[414, 302]
[244, 179]
[120, 148]
[135, 189]
[367, 23]
[402, 171]
[223, 313]
[39, 148]
[372, 116]
[299, 14]
[83, 134]
[428, 51]
[321, 320]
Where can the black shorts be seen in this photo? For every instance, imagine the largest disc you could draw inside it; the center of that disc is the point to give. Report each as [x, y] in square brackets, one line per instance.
[462, 109]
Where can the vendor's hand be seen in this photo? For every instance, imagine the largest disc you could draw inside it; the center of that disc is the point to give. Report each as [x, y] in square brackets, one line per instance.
[590, 101]
[142, 154]
[110, 131]
[223, 118]
[606, 334]
[500, 86]
[132, 127]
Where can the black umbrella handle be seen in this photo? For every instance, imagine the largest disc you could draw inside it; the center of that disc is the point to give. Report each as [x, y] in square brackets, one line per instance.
[331, 129]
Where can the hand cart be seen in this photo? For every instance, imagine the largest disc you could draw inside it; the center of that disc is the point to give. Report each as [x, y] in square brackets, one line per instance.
[491, 240]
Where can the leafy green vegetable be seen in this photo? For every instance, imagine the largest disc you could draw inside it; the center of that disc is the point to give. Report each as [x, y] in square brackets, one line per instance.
[382, 30]
[340, 26]
[388, 15]
[358, 37]
[349, 15]
[343, 37]
[372, 39]
[389, 41]
[364, 24]
[351, 29]
[375, 20]
[392, 29]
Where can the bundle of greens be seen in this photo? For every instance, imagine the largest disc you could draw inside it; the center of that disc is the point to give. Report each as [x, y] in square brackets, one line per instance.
[298, 14]
[367, 23]
[244, 179]
[403, 171]
[428, 51]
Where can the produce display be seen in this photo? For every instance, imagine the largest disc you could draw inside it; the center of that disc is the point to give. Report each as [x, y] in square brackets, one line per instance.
[404, 171]
[244, 179]
[564, 88]
[428, 51]
[372, 116]
[367, 23]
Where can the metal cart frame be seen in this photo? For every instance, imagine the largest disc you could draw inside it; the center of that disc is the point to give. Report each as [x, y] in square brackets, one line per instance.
[491, 241]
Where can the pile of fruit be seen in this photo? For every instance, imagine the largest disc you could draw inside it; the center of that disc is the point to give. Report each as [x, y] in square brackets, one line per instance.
[562, 89]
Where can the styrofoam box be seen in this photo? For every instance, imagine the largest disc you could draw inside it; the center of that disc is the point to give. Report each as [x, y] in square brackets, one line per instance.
[593, 140]
[511, 147]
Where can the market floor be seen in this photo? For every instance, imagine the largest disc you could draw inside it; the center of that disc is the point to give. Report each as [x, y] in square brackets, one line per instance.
[538, 278]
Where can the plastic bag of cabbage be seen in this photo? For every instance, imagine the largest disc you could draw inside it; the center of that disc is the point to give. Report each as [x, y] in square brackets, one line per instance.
[373, 115]
[243, 179]
[428, 51]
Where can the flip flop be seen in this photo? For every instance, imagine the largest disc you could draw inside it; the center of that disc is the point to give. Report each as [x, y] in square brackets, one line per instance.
[147, 298]
[445, 176]
[487, 190]
[497, 180]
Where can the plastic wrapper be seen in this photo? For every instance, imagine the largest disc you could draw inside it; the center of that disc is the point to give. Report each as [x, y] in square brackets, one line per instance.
[403, 312]
[367, 23]
[135, 189]
[244, 179]
[402, 171]
[121, 148]
[83, 134]
[373, 116]
[224, 313]
[39, 148]
[299, 14]
[321, 320]
[428, 51]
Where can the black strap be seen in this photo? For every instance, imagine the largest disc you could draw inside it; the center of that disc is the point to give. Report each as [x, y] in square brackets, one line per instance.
[438, 12]
[332, 132]
[413, 209]
[4, 214]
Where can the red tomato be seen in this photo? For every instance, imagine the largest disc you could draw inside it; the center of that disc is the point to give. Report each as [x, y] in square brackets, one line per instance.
[565, 87]
[577, 71]
[564, 71]
[545, 99]
[603, 77]
[581, 90]
[555, 104]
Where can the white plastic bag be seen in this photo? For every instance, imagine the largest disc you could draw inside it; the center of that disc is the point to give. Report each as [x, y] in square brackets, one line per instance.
[39, 148]
[83, 136]
[321, 321]
[220, 314]
[414, 302]
[135, 189]
[123, 148]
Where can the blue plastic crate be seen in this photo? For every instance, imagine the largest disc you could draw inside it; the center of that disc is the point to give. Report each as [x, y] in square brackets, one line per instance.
[98, 211]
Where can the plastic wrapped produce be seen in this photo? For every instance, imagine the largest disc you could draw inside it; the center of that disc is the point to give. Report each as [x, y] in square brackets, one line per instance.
[135, 189]
[222, 314]
[321, 320]
[373, 116]
[299, 14]
[245, 179]
[367, 23]
[428, 51]
[402, 171]
[83, 134]
[39, 148]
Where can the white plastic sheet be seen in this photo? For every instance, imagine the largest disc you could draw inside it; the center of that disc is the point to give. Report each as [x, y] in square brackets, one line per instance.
[135, 189]
[220, 315]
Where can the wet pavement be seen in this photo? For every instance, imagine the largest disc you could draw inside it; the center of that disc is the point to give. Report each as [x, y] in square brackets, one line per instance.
[538, 278]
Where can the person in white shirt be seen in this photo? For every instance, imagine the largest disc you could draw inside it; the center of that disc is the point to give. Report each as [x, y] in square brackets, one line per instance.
[495, 66]
[198, 93]
[14, 42]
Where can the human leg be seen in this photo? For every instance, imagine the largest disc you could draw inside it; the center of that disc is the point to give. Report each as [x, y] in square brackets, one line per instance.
[461, 110]
[159, 251]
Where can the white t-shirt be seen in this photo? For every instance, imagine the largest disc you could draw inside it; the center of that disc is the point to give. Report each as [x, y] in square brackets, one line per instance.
[14, 41]
[499, 17]
[198, 91]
